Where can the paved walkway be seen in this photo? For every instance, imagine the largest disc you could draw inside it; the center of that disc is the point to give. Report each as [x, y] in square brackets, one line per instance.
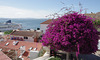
[88, 57]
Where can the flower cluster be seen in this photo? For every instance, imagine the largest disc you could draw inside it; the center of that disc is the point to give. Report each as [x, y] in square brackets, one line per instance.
[72, 33]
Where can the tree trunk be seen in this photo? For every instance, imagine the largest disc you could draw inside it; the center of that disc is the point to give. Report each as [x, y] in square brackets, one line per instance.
[71, 56]
[67, 55]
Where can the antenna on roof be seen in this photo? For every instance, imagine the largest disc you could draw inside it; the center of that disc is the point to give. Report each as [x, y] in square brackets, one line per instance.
[36, 45]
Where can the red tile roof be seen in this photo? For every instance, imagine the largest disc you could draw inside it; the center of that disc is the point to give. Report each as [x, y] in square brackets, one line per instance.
[23, 33]
[94, 15]
[27, 33]
[3, 56]
[22, 43]
[47, 22]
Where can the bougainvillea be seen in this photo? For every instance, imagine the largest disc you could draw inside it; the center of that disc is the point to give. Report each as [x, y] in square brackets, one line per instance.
[73, 32]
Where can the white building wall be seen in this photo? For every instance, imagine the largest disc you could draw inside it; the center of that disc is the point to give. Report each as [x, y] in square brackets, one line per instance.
[34, 54]
[43, 27]
[1, 33]
[11, 36]
[30, 39]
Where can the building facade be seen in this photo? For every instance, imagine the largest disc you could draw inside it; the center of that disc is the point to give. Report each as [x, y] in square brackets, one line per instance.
[43, 25]
[25, 35]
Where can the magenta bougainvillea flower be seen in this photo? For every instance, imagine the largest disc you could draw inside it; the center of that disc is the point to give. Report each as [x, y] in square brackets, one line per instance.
[72, 33]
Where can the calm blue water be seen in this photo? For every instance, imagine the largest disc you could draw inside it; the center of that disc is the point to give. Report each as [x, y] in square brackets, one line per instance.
[26, 23]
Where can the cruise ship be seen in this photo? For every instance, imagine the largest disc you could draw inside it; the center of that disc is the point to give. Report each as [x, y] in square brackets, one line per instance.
[8, 25]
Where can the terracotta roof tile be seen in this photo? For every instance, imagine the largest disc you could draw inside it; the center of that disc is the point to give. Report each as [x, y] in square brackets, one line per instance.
[94, 15]
[23, 33]
[26, 33]
[3, 56]
[22, 43]
[47, 22]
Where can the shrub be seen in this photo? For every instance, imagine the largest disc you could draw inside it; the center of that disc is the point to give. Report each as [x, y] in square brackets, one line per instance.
[72, 33]
[56, 58]
[8, 32]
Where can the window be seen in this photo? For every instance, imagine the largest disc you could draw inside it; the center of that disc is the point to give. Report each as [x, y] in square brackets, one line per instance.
[25, 37]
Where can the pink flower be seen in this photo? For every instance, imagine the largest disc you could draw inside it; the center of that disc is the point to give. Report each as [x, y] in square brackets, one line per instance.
[72, 32]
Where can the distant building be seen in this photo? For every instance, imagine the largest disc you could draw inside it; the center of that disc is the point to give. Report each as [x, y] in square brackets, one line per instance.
[94, 15]
[43, 25]
[26, 35]
[21, 49]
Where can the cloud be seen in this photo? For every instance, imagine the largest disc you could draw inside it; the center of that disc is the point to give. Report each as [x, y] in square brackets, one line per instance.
[12, 12]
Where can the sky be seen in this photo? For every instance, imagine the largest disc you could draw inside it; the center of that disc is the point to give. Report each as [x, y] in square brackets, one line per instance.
[42, 8]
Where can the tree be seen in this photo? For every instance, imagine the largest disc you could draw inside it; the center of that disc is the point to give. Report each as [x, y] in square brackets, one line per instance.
[73, 32]
[8, 32]
[97, 23]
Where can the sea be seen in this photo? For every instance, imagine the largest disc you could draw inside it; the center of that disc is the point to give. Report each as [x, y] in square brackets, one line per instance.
[27, 23]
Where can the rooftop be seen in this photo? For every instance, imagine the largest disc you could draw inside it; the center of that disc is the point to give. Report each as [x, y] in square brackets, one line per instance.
[94, 15]
[47, 21]
[16, 47]
[3, 56]
[26, 33]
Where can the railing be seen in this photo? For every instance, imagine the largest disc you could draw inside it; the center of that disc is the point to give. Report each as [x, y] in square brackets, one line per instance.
[44, 57]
